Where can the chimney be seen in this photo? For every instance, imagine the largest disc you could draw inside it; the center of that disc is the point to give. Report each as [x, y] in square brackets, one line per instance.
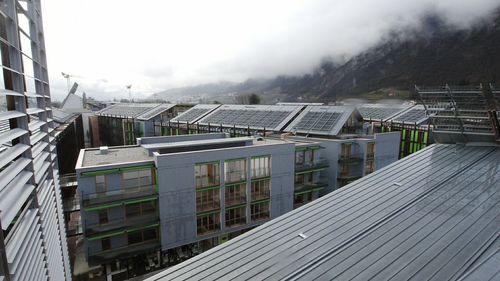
[84, 100]
[103, 150]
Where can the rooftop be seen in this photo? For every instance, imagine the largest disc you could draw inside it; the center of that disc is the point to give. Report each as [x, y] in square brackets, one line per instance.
[141, 111]
[432, 215]
[115, 155]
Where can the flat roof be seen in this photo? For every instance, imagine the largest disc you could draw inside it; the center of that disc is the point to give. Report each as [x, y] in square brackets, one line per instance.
[432, 215]
[195, 142]
[115, 155]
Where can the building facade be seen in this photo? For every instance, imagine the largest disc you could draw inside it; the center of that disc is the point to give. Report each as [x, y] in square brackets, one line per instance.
[169, 198]
[32, 237]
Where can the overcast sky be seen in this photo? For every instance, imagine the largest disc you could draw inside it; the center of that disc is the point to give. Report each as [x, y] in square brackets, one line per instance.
[157, 45]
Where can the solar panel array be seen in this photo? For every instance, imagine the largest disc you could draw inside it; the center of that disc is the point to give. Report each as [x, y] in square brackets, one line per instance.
[269, 117]
[322, 120]
[379, 112]
[144, 111]
[415, 114]
[155, 111]
[318, 121]
[195, 113]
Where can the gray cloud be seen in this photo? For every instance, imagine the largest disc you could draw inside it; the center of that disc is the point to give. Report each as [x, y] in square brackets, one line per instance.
[290, 39]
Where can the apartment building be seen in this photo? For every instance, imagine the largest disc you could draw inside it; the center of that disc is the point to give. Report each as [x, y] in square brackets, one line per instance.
[32, 237]
[169, 198]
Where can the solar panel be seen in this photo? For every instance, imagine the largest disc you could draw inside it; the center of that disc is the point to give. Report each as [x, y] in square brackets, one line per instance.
[269, 117]
[378, 112]
[318, 121]
[191, 115]
[414, 115]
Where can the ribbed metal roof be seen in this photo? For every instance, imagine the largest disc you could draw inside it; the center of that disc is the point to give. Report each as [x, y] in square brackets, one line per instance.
[433, 215]
[380, 111]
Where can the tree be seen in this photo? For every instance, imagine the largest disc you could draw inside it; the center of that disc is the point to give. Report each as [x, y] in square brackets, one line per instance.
[254, 99]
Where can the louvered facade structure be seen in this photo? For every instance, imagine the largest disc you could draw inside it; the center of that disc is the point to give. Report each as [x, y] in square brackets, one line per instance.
[32, 237]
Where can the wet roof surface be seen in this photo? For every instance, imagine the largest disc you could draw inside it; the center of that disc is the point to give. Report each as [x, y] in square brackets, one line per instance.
[433, 215]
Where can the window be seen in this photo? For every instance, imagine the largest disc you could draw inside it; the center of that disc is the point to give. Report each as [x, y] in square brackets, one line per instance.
[235, 194]
[370, 166]
[207, 200]
[142, 236]
[100, 184]
[137, 178]
[260, 189]
[140, 209]
[103, 216]
[208, 223]
[299, 157]
[346, 150]
[301, 199]
[304, 178]
[261, 166]
[236, 216]
[235, 170]
[259, 211]
[370, 150]
[344, 169]
[106, 244]
[309, 156]
[207, 174]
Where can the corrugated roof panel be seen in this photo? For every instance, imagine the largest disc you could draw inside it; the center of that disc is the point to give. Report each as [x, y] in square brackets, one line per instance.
[442, 214]
[380, 111]
[156, 111]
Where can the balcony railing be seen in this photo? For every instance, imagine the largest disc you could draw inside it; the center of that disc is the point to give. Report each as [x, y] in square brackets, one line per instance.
[204, 231]
[309, 186]
[94, 228]
[317, 164]
[116, 195]
[68, 180]
[351, 158]
[206, 181]
[256, 196]
[101, 257]
[235, 200]
[208, 206]
[235, 177]
[72, 204]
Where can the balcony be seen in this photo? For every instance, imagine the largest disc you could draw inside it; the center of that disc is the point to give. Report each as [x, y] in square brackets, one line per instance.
[98, 198]
[207, 181]
[127, 251]
[72, 204]
[234, 177]
[212, 205]
[205, 231]
[309, 186]
[306, 166]
[68, 180]
[351, 158]
[145, 219]
[257, 196]
[235, 200]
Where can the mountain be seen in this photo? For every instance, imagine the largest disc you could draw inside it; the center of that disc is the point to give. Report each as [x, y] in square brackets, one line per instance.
[434, 54]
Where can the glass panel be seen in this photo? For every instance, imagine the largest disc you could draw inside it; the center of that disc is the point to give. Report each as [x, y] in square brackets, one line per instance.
[207, 174]
[235, 170]
[261, 167]
[260, 189]
[259, 211]
[100, 183]
[236, 216]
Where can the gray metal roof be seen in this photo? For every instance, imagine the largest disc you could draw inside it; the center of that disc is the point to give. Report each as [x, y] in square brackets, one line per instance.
[195, 113]
[141, 111]
[430, 216]
[61, 116]
[415, 114]
[272, 117]
[321, 120]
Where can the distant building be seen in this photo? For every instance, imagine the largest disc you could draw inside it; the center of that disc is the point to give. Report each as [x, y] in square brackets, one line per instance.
[169, 198]
[32, 237]
[122, 123]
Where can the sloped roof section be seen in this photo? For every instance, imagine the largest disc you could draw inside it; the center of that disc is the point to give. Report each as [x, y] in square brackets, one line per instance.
[141, 111]
[61, 116]
[272, 117]
[195, 113]
[430, 216]
[380, 112]
[322, 120]
[72, 101]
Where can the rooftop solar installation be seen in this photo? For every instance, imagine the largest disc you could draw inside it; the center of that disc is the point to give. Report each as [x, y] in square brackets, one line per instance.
[143, 111]
[433, 215]
[380, 111]
[195, 113]
[321, 120]
[272, 117]
[415, 115]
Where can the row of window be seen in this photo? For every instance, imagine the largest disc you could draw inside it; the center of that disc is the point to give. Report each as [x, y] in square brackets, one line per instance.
[132, 179]
[208, 174]
[131, 211]
[208, 223]
[136, 237]
[209, 199]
